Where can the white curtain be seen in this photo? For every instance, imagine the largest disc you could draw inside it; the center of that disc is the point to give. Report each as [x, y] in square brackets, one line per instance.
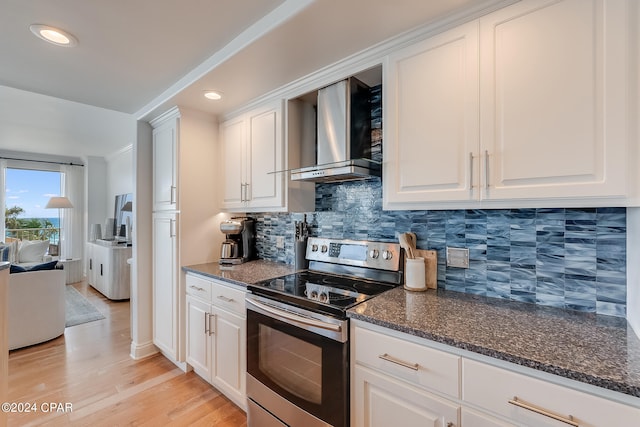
[72, 220]
[3, 167]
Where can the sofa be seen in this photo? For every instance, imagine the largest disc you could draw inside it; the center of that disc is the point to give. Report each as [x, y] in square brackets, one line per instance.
[36, 307]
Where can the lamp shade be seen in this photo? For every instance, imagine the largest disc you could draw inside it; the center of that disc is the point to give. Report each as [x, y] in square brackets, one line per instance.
[58, 203]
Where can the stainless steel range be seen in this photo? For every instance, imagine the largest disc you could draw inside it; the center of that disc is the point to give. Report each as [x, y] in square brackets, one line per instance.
[298, 332]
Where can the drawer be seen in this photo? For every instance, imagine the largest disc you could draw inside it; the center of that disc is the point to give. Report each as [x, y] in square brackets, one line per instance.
[491, 388]
[229, 298]
[199, 287]
[411, 362]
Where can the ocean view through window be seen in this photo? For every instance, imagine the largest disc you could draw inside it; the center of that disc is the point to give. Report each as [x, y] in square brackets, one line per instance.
[26, 194]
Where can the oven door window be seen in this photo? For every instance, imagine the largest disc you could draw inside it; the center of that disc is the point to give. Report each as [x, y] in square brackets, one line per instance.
[293, 364]
[303, 367]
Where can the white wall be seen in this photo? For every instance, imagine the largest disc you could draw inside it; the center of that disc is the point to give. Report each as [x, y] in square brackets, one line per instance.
[120, 174]
[96, 191]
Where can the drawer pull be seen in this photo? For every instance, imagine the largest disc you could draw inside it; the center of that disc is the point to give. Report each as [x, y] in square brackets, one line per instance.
[413, 366]
[569, 420]
[197, 288]
[225, 299]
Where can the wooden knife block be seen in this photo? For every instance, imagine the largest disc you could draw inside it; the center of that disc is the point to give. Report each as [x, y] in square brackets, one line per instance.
[430, 266]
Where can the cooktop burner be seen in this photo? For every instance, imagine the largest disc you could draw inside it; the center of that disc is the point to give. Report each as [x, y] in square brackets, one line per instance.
[320, 291]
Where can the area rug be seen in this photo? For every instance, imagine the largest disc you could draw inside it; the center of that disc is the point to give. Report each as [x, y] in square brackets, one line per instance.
[78, 309]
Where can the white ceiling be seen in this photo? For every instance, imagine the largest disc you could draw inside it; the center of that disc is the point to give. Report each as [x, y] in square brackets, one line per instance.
[141, 57]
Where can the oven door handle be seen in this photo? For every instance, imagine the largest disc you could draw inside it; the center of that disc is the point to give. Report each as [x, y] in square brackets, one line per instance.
[280, 315]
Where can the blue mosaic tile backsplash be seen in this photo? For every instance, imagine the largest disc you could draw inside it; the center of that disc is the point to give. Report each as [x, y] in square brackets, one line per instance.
[568, 258]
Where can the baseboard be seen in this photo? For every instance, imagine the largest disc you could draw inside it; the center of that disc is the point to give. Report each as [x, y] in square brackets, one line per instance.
[141, 351]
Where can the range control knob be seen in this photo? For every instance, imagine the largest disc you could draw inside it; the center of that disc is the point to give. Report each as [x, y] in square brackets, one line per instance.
[314, 248]
[387, 255]
[373, 253]
[324, 248]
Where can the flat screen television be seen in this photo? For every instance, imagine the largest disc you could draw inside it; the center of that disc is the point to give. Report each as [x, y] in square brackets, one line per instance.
[121, 213]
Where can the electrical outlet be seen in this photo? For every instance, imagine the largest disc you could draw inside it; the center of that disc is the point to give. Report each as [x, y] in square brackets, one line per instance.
[458, 257]
[280, 242]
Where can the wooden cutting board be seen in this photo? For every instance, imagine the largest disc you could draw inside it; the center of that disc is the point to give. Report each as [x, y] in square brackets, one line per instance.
[430, 265]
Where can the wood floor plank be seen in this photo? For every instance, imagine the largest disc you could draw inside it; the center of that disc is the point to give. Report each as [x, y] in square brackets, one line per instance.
[90, 368]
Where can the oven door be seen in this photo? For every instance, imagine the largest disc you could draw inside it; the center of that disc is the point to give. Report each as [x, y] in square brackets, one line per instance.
[295, 370]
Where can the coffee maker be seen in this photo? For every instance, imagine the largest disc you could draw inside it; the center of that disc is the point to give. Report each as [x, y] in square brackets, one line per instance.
[240, 243]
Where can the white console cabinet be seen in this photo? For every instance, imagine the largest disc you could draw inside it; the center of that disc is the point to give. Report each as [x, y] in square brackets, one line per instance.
[108, 270]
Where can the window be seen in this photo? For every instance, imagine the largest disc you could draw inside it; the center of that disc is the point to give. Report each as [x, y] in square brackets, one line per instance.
[27, 192]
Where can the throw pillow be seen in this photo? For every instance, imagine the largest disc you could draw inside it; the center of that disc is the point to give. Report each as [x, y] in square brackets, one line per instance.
[44, 266]
[32, 250]
[16, 269]
[5, 253]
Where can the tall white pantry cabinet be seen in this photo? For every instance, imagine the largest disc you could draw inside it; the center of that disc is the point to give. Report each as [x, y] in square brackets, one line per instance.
[184, 217]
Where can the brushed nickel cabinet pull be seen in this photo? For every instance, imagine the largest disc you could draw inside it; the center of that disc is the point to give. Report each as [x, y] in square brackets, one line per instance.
[173, 195]
[211, 331]
[241, 192]
[521, 404]
[206, 323]
[172, 228]
[225, 299]
[486, 169]
[197, 288]
[471, 171]
[412, 366]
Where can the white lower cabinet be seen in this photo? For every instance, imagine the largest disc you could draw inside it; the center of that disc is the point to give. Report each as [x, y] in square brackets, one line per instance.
[399, 379]
[216, 335]
[533, 402]
[381, 401]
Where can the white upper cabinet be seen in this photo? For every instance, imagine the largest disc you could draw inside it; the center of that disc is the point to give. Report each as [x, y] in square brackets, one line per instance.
[165, 152]
[431, 119]
[525, 107]
[553, 102]
[252, 150]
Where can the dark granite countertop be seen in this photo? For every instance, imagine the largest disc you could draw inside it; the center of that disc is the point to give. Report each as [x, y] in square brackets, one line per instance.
[242, 274]
[594, 349]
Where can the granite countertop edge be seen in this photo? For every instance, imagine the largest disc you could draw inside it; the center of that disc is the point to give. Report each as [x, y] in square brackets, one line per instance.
[507, 357]
[241, 274]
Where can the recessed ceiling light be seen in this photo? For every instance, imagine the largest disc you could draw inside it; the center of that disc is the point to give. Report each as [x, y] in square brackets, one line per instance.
[53, 35]
[212, 94]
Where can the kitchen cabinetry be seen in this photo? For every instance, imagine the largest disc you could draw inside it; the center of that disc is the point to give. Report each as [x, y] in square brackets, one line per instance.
[253, 156]
[108, 270]
[252, 149]
[396, 375]
[552, 109]
[165, 152]
[216, 335]
[431, 120]
[184, 222]
[166, 292]
[392, 387]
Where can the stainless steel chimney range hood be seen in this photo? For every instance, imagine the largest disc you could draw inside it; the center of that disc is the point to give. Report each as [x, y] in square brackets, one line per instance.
[343, 139]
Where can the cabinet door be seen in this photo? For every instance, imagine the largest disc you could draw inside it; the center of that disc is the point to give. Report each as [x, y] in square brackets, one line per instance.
[165, 149]
[198, 332]
[431, 120]
[554, 99]
[264, 156]
[233, 136]
[381, 401]
[229, 354]
[165, 283]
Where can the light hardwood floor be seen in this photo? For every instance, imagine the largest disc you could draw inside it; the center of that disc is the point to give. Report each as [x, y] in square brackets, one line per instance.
[89, 367]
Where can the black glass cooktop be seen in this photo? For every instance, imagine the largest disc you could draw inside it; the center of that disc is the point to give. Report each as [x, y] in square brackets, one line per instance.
[320, 292]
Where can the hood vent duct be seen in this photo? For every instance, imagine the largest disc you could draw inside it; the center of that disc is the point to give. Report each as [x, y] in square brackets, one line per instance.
[343, 140]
